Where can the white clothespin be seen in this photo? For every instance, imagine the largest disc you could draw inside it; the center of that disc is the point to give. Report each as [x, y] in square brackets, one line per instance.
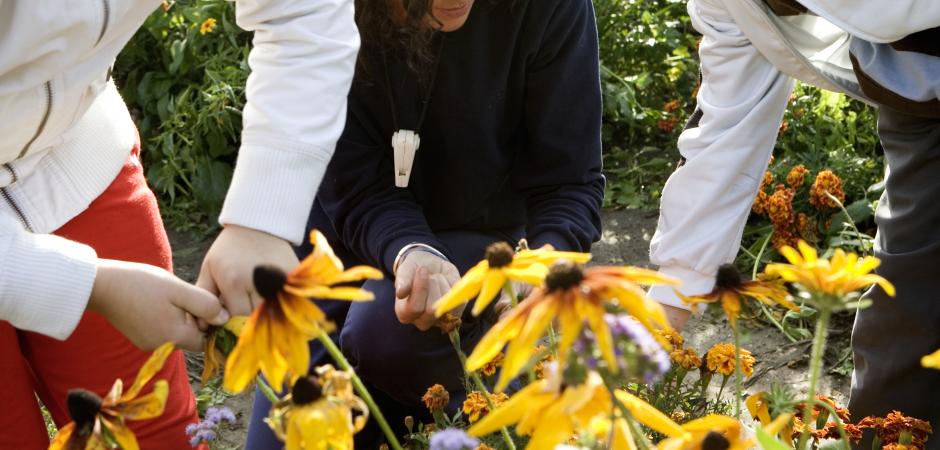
[405, 144]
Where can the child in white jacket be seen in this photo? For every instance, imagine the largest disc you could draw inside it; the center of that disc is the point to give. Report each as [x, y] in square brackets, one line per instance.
[85, 269]
[884, 53]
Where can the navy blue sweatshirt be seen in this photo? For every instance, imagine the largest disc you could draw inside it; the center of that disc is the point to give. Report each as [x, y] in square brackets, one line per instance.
[511, 142]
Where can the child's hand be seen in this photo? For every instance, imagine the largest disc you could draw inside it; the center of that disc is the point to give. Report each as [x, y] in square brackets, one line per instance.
[420, 281]
[228, 267]
[151, 306]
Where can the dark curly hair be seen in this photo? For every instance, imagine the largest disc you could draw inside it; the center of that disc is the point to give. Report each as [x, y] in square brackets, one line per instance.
[384, 28]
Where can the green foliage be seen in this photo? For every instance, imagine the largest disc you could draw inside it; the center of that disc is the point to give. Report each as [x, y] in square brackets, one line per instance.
[186, 87]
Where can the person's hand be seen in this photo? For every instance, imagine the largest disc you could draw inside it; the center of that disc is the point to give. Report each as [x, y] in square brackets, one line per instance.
[228, 266]
[504, 305]
[151, 306]
[421, 279]
[677, 316]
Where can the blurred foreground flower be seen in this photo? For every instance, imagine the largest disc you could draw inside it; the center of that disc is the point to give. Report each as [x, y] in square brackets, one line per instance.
[487, 278]
[99, 423]
[931, 361]
[274, 339]
[730, 287]
[453, 439]
[318, 413]
[572, 295]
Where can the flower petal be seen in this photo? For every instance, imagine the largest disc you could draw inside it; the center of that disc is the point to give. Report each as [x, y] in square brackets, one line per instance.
[124, 436]
[331, 293]
[466, 288]
[650, 416]
[493, 281]
[243, 363]
[529, 398]
[61, 439]
[534, 274]
[521, 347]
[149, 369]
[147, 406]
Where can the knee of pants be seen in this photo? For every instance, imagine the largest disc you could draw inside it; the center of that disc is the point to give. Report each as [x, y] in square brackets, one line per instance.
[397, 358]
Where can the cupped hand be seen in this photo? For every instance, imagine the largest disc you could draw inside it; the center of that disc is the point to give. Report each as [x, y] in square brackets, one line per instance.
[421, 280]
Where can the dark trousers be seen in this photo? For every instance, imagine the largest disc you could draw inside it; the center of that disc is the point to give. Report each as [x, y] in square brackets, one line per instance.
[396, 361]
[892, 335]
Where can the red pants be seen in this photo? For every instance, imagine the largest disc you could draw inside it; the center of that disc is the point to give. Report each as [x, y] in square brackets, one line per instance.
[123, 223]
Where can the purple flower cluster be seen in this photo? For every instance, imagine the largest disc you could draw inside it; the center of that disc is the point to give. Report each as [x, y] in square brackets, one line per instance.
[653, 361]
[207, 430]
[453, 439]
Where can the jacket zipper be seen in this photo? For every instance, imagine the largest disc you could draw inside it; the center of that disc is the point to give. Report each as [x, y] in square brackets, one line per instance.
[9, 199]
[42, 124]
[104, 23]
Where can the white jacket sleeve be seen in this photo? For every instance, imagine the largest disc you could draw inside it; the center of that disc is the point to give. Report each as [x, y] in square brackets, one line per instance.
[302, 65]
[45, 280]
[706, 201]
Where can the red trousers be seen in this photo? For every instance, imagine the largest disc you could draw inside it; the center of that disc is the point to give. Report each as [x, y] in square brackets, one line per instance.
[123, 223]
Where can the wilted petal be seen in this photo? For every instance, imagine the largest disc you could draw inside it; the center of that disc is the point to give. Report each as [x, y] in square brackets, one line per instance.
[145, 407]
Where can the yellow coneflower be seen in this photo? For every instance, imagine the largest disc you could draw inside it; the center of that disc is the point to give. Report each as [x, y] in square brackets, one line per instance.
[826, 181]
[686, 358]
[730, 287]
[318, 414]
[931, 361]
[843, 274]
[207, 26]
[720, 359]
[476, 406]
[436, 398]
[549, 412]
[274, 339]
[487, 278]
[797, 176]
[572, 295]
[96, 422]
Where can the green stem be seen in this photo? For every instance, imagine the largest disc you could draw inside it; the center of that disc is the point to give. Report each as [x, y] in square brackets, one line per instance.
[343, 363]
[511, 292]
[815, 365]
[724, 382]
[455, 340]
[760, 254]
[738, 376]
[858, 234]
[266, 389]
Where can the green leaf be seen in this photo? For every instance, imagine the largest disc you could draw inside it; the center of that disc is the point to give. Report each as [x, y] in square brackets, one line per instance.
[768, 442]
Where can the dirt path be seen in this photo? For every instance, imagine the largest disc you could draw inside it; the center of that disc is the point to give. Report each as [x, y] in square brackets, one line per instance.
[625, 241]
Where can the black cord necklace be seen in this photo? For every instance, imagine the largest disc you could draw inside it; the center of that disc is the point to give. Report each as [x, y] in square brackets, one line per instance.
[405, 143]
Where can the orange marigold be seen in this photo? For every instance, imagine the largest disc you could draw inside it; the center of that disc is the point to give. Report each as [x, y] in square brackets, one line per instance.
[475, 406]
[783, 236]
[686, 358]
[671, 106]
[806, 227]
[784, 126]
[436, 398]
[672, 337]
[720, 359]
[891, 427]
[490, 368]
[668, 125]
[760, 203]
[797, 176]
[779, 206]
[826, 181]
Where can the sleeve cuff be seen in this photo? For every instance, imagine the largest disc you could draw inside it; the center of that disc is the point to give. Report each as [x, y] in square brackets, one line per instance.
[693, 283]
[396, 246]
[272, 188]
[46, 283]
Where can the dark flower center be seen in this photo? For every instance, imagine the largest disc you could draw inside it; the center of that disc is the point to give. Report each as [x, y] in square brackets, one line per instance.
[269, 280]
[728, 277]
[83, 406]
[715, 441]
[564, 275]
[499, 254]
[306, 390]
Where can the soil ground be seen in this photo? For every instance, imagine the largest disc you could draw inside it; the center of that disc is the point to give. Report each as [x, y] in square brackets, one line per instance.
[625, 241]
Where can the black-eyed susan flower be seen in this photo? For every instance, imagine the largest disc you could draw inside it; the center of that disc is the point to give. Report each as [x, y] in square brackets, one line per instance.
[487, 278]
[931, 361]
[318, 414]
[274, 339]
[100, 423]
[730, 287]
[548, 411]
[221, 341]
[720, 359]
[572, 295]
[843, 274]
[207, 26]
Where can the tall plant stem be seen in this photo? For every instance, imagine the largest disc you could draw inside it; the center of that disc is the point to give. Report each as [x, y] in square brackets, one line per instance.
[455, 340]
[815, 367]
[266, 389]
[337, 355]
[737, 373]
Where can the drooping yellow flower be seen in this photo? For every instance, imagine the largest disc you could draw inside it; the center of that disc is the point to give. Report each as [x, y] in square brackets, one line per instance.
[548, 412]
[487, 278]
[729, 288]
[274, 339]
[207, 26]
[99, 423]
[843, 274]
[572, 295]
[931, 361]
[709, 432]
[318, 414]
[720, 359]
[476, 406]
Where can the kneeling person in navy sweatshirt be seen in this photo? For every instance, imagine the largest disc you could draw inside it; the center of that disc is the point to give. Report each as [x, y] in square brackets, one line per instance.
[505, 99]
